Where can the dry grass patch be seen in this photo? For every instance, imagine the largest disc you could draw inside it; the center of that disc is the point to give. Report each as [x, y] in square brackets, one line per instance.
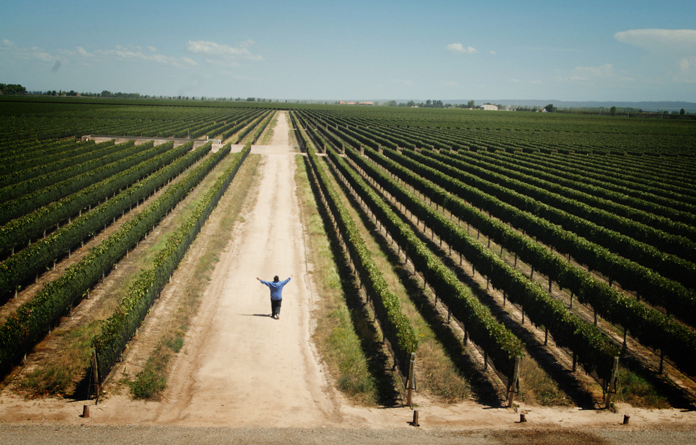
[56, 377]
[335, 334]
[436, 373]
[538, 388]
[268, 132]
[638, 391]
[151, 381]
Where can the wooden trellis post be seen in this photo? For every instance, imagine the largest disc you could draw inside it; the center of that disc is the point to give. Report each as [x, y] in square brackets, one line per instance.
[514, 383]
[611, 384]
[95, 373]
[411, 382]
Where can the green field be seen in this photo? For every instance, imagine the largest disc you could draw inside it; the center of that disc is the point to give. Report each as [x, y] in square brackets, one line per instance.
[584, 226]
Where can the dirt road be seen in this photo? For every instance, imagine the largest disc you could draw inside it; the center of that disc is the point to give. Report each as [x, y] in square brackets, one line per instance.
[240, 365]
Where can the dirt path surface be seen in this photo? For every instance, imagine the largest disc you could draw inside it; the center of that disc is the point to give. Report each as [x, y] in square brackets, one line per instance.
[240, 365]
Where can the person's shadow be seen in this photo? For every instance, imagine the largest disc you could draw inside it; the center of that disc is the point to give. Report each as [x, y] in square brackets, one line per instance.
[255, 315]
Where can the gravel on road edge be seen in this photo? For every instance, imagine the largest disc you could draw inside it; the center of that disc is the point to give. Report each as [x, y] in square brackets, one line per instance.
[152, 435]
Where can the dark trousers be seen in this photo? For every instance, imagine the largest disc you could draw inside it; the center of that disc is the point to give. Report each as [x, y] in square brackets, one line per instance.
[275, 307]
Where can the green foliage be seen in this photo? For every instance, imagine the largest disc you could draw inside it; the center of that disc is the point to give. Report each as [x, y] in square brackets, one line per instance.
[649, 326]
[393, 322]
[32, 320]
[565, 232]
[568, 330]
[501, 345]
[38, 198]
[17, 232]
[22, 184]
[12, 89]
[148, 382]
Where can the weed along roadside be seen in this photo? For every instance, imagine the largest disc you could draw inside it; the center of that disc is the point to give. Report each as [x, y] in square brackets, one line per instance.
[153, 357]
[118, 329]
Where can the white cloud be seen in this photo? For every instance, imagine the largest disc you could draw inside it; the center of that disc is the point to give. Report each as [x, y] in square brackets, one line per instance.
[660, 40]
[225, 51]
[590, 72]
[81, 51]
[451, 84]
[687, 63]
[135, 53]
[152, 48]
[493, 53]
[11, 51]
[459, 48]
[687, 69]
[515, 80]
[536, 82]
[671, 53]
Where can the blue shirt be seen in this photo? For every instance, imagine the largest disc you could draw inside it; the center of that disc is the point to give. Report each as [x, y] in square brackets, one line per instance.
[276, 288]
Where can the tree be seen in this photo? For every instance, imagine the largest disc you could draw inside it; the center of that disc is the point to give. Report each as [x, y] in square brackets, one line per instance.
[612, 111]
[390, 103]
[12, 89]
[682, 112]
[549, 108]
[471, 104]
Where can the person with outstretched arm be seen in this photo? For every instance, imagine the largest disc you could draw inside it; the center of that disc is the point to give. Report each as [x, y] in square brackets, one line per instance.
[276, 287]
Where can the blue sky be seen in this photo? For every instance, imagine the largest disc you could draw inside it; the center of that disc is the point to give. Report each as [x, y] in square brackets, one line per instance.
[447, 50]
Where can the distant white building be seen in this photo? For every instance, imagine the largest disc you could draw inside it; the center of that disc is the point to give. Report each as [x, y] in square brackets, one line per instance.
[490, 107]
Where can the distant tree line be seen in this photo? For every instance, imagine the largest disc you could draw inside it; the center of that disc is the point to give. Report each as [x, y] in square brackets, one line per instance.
[12, 89]
[431, 104]
[107, 93]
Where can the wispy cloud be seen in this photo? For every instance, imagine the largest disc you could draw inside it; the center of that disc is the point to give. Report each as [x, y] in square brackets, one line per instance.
[660, 40]
[515, 80]
[687, 69]
[11, 51]
[492, 53]
[212, 49]
[586, 73]
[134, 53]
[671, 53]
[459, 48]
[451, 84]
[536, 82]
